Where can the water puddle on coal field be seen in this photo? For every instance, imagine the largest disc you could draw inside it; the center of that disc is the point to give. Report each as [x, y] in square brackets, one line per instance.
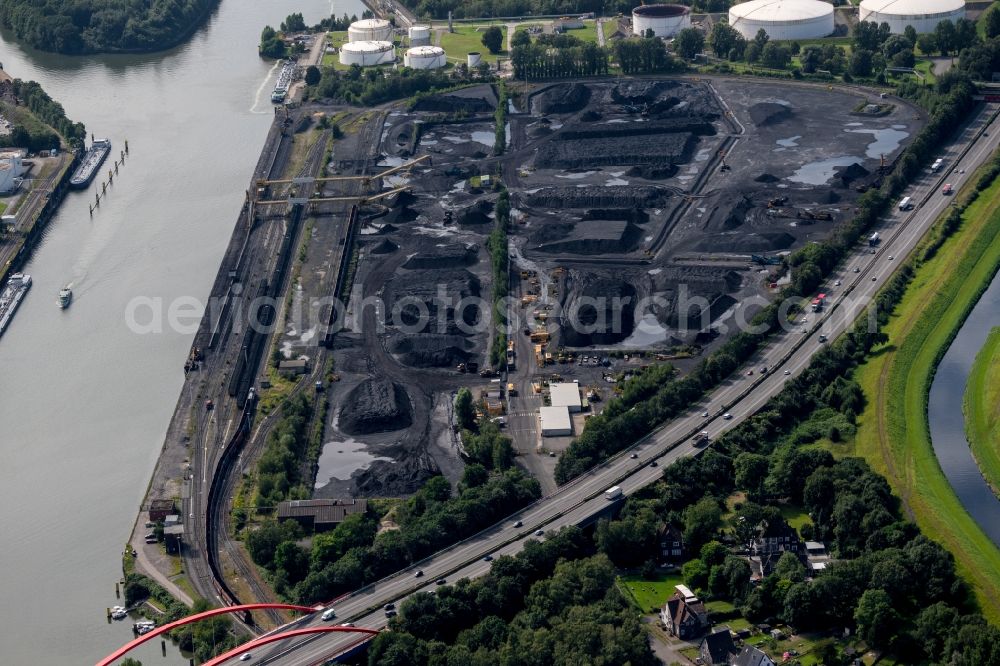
[647, 332]
[340, 460]
[817, 173]
[886, 141]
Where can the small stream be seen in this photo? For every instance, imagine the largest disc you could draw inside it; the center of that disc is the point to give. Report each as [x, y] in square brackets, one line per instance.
[947, 421]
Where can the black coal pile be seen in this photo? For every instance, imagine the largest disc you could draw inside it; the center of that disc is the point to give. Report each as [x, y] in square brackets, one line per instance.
[769, 113]
[615, 150]
[454, 104]
[598, 311]
[449, 256]
[375, 405]
[477, 213]
[562, 98]
[610, 196]
[597, 237]
[634, 215]
[397, 478]
[850, 173]
[766, 178]
[432, 296]
[385, 247]
[431, 350]
[652, 172]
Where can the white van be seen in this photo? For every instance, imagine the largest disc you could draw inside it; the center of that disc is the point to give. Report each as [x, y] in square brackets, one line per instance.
[328, 615]
[906, 203]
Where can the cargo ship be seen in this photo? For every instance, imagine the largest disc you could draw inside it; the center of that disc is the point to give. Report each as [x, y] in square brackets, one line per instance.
[11, 296]
[285, 77]
[91, 162]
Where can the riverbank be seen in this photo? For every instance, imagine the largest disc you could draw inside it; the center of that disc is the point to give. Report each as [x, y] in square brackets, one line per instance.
[982, 410]
[893, 433]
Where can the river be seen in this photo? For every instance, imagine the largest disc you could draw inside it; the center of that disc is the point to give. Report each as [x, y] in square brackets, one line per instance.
[84, 402]
[947, 421]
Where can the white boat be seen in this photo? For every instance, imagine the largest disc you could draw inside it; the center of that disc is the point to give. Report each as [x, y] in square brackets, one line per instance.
[65, 297]
[118, 612]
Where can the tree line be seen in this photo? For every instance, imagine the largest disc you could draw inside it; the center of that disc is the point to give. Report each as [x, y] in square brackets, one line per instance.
[94, 26]
[356, 552]
[438, 9]
[372, 86]
[49, 111]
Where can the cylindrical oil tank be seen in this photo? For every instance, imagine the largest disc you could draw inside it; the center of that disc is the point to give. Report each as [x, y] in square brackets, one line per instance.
[420, 35]
[783, 19]
[474, 58]
[424, 57]
[369, 30]
[663, 20]
[923, 15]
[367, 54]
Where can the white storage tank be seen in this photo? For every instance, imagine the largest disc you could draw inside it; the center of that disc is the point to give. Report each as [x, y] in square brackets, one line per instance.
[923, 15]
[424, 57]
[474, 58]
[420, 35]
[663, 20]
[369, 30]
[367, 54]
[783, 19]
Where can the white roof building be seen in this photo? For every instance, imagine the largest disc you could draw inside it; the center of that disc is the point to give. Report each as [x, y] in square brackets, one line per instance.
[566, 394]
[10, 174]
[555, 421]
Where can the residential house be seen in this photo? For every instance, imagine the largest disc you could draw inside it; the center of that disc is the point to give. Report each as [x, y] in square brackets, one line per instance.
[751, 656]
[684, 615]
[717, 648]
[767, 549]
[671, 544]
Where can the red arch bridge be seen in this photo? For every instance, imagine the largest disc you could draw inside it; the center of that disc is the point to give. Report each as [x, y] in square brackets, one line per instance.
[258, 642]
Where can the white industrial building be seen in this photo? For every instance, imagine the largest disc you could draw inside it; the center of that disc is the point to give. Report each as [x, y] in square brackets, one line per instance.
[663, 20]
[367, 54]
[420, 35]
[555, 421]
[783, 19]
[10, 174]
[369, 30]
[425, 57]
[565, 394]
[923, 15]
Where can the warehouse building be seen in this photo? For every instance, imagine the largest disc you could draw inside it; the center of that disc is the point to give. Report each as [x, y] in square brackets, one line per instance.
[555, 421]
[566, 394]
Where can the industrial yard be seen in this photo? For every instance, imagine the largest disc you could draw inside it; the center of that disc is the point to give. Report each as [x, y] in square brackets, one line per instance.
[645, 214]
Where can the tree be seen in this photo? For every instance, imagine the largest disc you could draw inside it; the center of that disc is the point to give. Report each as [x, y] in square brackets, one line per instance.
[751, 473]
[877, 620]
[520, 38]
[861, 62]
[701, 521]
[945, 35]
[313, 75]
[965, 34]
[465, 414]
[724, 38]
[790, 567]
[927, 43]
[775, 56]
[293, 23]
[752, 52]
[689, 42]
[129, 661]
[493, 39]
[695, 574]
[911, 35]
[761, 39]
[474, 475]
[991, 22]
[713, 553]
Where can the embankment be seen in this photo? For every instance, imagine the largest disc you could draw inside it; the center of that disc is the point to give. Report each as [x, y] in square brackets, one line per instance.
[982, 410]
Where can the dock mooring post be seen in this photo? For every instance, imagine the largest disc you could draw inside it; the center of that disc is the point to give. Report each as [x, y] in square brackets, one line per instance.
[126, 146]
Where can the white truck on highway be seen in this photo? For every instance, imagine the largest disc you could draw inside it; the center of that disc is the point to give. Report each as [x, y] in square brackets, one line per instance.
[937, 165]
[613, 493]
[906, 203]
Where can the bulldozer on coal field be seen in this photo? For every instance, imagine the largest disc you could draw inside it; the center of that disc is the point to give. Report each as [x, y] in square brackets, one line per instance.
[777, 201]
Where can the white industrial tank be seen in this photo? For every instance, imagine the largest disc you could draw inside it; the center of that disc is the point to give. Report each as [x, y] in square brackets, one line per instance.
[783, 19]
[424, 57]
[474, 58]
[369, 30]
[420, 35]
[367, 54]
[663, 20]
[923, 15]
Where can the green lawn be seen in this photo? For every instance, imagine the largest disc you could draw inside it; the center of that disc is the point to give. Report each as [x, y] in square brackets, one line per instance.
[893, 432]
[588, 33]
[982, 409]
[795, 516]
[468, 38]
[649, 594]
[3, 208]
[926, 67]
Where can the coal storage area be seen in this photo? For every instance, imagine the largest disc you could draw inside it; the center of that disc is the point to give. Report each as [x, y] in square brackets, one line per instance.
[375, 405]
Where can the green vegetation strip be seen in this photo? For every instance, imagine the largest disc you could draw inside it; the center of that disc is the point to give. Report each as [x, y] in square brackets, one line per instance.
[982, 410]
[893, 432]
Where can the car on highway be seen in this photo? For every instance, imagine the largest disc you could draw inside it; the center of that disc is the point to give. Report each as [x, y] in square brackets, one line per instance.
[328, 615]
[389, 606]
[857, 270]
[440, 581]
[539, 532]
[873, 278]
[763, 369]
[346, 624]
[518, 524]
[727, 416]
[487, 558]
[837, 283]
[946, 189]
[654, 464]
[390, 613]
[419, 573]
[704, 415]
[246, 656]
[788, 372]
[891, 257]
[634, 456]
[822, 338]
[749, 373]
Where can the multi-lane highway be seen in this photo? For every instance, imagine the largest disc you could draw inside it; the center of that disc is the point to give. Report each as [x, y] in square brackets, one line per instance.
[785, 356]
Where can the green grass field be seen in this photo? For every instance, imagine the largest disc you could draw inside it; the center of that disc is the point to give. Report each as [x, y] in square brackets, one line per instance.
[649, 594]
[795, 516]
[465, 39]
[982, 409]
[893, 432]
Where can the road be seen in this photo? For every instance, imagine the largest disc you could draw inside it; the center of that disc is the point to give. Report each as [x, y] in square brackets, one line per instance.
[579, 501]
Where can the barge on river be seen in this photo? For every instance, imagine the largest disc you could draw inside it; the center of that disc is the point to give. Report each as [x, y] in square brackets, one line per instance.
[11, 296]
[91, 162]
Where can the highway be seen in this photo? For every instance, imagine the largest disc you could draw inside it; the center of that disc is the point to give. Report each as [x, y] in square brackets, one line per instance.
[787, 352]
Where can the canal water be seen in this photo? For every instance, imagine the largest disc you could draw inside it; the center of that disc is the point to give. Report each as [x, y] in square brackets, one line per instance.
[947, 421]
[84, 402]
